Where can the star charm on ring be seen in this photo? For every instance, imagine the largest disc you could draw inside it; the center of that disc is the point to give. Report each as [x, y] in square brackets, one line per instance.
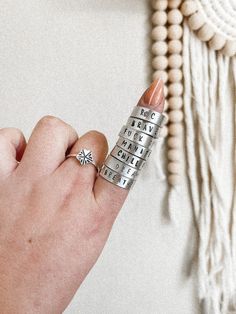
[85, 156]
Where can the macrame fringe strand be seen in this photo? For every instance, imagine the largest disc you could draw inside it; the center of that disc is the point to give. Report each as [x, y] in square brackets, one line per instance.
[207, 117]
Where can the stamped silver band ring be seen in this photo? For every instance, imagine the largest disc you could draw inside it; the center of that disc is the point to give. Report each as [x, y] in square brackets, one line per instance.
[148, 115]
[121, 168]
[133, 148]
[127, 158]
[144, 126]
[84, 157]
[136, 136]
[115, 178]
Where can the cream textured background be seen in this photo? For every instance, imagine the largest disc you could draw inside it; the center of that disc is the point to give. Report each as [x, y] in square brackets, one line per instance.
[87, 62]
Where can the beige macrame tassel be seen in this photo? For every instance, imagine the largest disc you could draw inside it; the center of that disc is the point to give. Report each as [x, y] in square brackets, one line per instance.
[209, 108]
[233, 223]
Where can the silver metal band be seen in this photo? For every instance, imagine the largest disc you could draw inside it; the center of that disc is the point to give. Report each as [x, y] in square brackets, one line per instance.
[115, 178]
[133, 148]
[136, 136]
[144, 126]
[127, 158]
[148, 115]
[120, 167]
[84, 157]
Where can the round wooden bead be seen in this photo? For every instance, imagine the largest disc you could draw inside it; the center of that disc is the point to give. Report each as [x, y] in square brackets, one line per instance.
[175, 61]
[175, 75]
[189, 7]
[159, 48]
[164, 131]
[217, 42]
[205, 32]
[175, 89]
[175, 103]
[174, 142]
[229, 48]
[174, 167]
[175, 129]
[174, 179]
[175, 32]
[196, 21]
[174, 46]
[174, 154]
[160, 63]
[172, 4]
[174, 16]
[159, 18]
[176, 116]
[159, 5]
[160, 74]
[159, 33]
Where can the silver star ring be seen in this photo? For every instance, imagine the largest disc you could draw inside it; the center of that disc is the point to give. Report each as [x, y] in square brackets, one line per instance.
[84, 157]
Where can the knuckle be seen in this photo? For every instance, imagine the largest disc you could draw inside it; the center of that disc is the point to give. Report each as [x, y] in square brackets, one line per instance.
[53, 123]
[50, 122]
[9, 134]
[99, 137]
[3, 141]
[97, 134]
[15, 131]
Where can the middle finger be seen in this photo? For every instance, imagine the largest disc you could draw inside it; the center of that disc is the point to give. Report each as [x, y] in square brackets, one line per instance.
[47, 147]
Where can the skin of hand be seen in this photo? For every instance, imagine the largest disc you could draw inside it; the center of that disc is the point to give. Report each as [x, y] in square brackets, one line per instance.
[56, 215]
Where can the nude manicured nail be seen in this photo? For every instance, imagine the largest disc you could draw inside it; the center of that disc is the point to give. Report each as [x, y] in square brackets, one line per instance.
[153, 97]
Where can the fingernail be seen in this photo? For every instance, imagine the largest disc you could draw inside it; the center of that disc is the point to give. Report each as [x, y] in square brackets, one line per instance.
[153, 97]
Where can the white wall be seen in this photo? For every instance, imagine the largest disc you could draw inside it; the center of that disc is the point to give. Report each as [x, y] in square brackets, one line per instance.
[88, 62]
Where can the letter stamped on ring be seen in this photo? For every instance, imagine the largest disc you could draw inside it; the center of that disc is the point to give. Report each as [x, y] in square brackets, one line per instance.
[133, 148]
[120, 167]
[116, 178]
[136, 136]
[127, 158]
[148, 115]
[144, 126]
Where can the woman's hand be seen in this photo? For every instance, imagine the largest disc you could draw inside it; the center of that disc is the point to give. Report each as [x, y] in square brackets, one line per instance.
[55, 214]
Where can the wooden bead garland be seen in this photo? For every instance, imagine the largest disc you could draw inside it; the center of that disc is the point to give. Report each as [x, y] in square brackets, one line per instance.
[160, 74]
[217, 42]
[174, 17]
[174, 142]
[159, 18]
[175, 75]
[160, 63]
[175, 102]
[197, 22]
[159, 33]
[167, 61]
[175, 32]
[174, 154]
[174, 46]
[175, 61]
[159, 5]
[159, 48]
[173, 4]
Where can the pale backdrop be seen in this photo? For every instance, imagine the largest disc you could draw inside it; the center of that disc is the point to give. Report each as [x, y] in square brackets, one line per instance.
[88, 62]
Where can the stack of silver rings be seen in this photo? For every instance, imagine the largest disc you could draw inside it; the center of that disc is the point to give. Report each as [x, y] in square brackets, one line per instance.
[133, 147]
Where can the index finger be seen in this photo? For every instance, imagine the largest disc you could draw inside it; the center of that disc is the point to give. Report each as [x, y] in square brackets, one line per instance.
[122, 166]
